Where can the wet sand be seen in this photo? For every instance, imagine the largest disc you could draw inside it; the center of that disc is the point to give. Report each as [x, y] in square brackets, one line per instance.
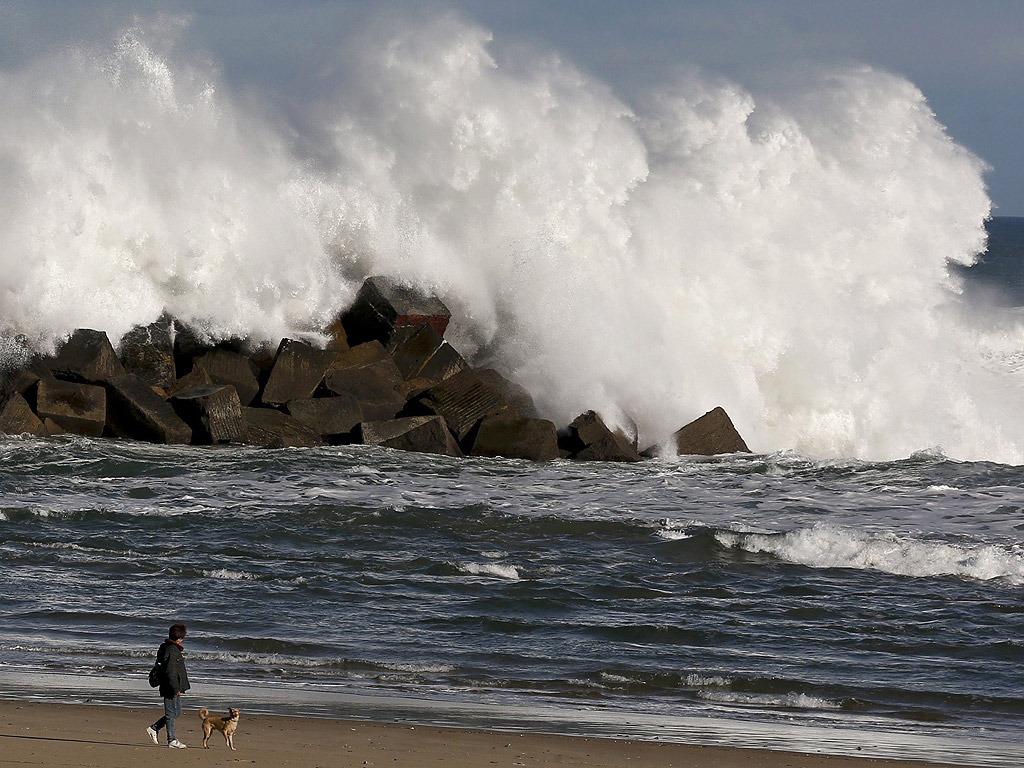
[57, 735]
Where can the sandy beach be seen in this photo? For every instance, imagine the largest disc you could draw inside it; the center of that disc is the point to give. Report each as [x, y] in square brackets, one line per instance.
[53, 735]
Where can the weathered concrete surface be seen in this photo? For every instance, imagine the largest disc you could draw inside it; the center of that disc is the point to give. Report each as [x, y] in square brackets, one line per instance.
[298, 370]
[22, 381]
[189, 343]
[711, 434]
[421, 434]
[17, 419]
[134, 410]
[610, 447]
[515, 437]
[517, 396]
[442, 365]
[369, 375]
[333, 418]
[148, 352]
[273, 429]
[363, 355]
[382, 306]
[53, 428]
[80, 409]
[463, 400]
[336, 336]
[214, 414]
[197, 377]
[588, 438]
[226, 367]
[87, 357]
[262, 358]
[412, 348]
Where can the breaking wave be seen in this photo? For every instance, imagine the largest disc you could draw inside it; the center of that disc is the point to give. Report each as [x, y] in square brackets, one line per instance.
[785, 254]
[496, 570]
[830, 546]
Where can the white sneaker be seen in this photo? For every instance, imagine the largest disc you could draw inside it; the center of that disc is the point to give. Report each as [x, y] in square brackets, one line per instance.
[177, 745]
[152, 734]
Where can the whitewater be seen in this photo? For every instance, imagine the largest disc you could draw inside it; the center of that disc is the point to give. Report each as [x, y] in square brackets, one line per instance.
[816, 257]
[789, 255]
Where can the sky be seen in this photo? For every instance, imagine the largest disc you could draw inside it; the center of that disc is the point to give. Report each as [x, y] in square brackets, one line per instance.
[966, 56]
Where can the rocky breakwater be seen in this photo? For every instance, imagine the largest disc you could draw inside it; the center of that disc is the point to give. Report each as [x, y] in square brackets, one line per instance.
[386, 377]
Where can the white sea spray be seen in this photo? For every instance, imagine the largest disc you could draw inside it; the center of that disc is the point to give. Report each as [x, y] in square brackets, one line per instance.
[784, 254]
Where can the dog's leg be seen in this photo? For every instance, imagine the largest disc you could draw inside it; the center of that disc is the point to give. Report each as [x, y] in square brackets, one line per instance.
[207, 730]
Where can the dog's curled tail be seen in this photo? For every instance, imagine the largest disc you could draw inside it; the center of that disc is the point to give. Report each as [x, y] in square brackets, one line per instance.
[203, 713]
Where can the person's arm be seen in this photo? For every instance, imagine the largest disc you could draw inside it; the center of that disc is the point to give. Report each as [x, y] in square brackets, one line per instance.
[175, 670]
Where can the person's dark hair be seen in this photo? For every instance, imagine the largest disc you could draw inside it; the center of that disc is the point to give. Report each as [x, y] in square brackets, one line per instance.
[176, 632]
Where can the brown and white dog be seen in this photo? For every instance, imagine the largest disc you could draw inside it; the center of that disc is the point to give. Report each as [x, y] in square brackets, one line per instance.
[225, 725]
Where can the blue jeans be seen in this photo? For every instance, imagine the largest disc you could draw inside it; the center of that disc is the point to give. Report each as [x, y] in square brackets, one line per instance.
[172, 709]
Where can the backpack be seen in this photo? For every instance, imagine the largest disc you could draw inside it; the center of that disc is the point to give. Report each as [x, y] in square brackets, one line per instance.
[157, 672]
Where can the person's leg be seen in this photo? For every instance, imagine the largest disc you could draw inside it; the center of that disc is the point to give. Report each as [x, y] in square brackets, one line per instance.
[172, 709]
[154, 729]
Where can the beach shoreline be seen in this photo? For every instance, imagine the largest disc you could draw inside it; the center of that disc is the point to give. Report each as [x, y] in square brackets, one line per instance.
[50, 734]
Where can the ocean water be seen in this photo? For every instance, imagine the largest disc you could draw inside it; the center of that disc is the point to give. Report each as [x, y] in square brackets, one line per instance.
[812, 257]
[762, 600]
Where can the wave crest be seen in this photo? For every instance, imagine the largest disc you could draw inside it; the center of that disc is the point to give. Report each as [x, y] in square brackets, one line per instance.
[829, 546]
[784, 255]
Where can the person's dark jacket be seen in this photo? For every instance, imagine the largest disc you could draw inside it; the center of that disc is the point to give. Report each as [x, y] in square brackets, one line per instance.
[174, 678]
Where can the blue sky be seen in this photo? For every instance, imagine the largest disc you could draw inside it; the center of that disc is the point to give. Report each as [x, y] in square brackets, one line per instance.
[967, 56]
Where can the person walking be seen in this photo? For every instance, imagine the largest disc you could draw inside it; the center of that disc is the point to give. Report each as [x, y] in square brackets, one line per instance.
[173, 683]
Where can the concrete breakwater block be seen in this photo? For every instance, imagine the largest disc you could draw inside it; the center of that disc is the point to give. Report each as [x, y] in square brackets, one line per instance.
[273, 429]
[197, 377]
[297, 372]
[23, 381]
[371, 378]
[588, 438]
[442, 365]
[17, 418]
[87, 357]
[710, 435]
[80, 409]
[515, 437]
[463, 400]
[362, 355]
[516, 396]
[333, 418]
[421, 434]
[412, 347]
[53, 428]
[230, 368]
[134, 410]
[214, 414]
[383, 306]
[148, 352]
[385, 360]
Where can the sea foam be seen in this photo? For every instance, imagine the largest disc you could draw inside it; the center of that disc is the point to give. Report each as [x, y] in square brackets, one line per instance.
[784, 254]
[496, 570]
[832, 546]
